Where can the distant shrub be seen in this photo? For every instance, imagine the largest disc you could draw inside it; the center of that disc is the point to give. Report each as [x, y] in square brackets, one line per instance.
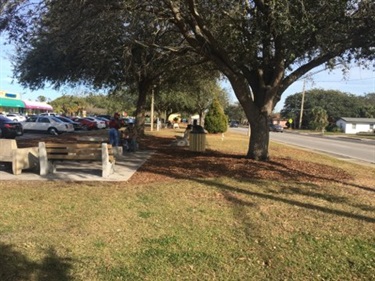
[216, 121]
[333, 128]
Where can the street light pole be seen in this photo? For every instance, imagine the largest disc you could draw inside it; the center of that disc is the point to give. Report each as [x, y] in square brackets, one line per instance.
[302, 105]
[152, 109]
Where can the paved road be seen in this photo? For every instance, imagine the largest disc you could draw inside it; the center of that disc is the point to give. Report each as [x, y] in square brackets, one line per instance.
[362, 150]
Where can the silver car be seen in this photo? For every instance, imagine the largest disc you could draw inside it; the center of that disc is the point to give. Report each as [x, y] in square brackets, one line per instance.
[47, 124]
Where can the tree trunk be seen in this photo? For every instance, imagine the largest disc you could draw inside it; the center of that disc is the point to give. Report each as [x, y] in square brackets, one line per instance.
[259, 138]
[143, 88]
[257, 114]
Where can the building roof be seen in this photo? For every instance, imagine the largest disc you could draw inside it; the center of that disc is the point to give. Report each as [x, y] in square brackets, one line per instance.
[358, 120]
[37, 105]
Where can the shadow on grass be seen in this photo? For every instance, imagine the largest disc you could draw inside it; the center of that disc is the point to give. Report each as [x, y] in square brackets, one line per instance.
[16, 266]
[310, 206]
[215, 163]
[179, 163]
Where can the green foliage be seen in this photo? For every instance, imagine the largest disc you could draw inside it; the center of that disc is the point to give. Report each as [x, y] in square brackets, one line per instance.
[235, 112]
[320, 118]
[188, 92]
[70, 105]
[337, 104]
[41, 98]
[95, 103]
[216, 121]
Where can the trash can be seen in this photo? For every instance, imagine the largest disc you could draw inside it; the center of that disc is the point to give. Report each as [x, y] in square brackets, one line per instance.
[197, 141]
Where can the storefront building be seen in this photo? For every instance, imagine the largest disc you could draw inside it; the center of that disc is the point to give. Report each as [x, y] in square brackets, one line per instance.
[11, 103]
[34, 107]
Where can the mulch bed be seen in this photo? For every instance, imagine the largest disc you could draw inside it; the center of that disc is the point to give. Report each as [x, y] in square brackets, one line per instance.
[172, 163]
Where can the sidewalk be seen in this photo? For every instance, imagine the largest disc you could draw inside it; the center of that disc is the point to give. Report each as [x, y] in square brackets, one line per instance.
[125, 167]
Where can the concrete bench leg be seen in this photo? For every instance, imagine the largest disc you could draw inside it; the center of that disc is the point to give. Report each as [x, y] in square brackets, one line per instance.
[108, 167]
[43, 160]
[24, 158]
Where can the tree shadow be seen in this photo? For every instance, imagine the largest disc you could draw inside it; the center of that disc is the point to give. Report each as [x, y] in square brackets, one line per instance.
[214, 163]
[16, 266]
[227, 188]
[322, 177]
[180, 163]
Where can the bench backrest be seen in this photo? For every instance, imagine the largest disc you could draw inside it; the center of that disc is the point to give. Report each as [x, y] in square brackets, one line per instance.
[76, 151]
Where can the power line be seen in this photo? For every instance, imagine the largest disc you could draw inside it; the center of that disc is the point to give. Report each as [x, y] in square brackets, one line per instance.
[351, 80]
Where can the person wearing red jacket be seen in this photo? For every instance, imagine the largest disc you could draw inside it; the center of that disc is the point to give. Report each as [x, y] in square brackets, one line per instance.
[114, 126]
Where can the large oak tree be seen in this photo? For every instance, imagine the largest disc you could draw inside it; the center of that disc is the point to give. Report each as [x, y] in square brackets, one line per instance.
[263, 46]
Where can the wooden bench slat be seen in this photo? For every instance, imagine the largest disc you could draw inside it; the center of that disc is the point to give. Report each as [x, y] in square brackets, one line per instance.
[77, 151]
[69, 150]
[74, 152]
[73, 145]
[74, 157]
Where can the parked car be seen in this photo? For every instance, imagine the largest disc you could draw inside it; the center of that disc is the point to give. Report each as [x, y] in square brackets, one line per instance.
[49, 124]
[86, 123]
[48, 114]
[105, 116]
[16, 117]
[10, 129]
[125, 121]
[233, 124]
[90, 123]
[276, 128]
[106, 121]
[100, 124]
[76, 125]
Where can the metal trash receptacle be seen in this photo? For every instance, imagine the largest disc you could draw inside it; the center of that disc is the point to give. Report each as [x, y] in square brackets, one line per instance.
[197, 141]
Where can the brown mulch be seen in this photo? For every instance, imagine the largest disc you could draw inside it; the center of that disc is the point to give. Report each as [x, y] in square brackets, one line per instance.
[170, 163]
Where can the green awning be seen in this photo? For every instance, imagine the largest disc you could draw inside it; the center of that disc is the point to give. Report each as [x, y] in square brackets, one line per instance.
[11, 103]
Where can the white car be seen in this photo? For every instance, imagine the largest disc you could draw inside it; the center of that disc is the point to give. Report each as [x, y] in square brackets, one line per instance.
[16, 117]
[49, 124]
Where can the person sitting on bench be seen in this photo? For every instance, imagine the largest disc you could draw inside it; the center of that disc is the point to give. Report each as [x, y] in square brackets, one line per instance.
[130, 138]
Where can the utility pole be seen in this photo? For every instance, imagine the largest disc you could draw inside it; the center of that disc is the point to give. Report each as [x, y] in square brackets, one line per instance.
[302, 104]
[152, 109]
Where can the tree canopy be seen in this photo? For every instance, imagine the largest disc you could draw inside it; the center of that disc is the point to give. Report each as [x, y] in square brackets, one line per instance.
[261, 46]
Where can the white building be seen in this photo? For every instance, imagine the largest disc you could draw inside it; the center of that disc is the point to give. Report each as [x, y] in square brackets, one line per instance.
[356, 125]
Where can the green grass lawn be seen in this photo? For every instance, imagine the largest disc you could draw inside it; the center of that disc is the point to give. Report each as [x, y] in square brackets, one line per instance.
[192, 229]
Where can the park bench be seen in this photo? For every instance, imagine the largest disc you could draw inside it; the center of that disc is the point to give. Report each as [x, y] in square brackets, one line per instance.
[52, 153]
[20, 158]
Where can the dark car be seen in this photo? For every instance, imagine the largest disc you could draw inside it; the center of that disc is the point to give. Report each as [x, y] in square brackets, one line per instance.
[10, 129]
[276, 128]
[76, 125]
[233, 124]
[105, 116]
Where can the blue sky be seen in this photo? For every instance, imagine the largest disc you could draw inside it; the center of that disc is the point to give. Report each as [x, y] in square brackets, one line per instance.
[358, 81]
